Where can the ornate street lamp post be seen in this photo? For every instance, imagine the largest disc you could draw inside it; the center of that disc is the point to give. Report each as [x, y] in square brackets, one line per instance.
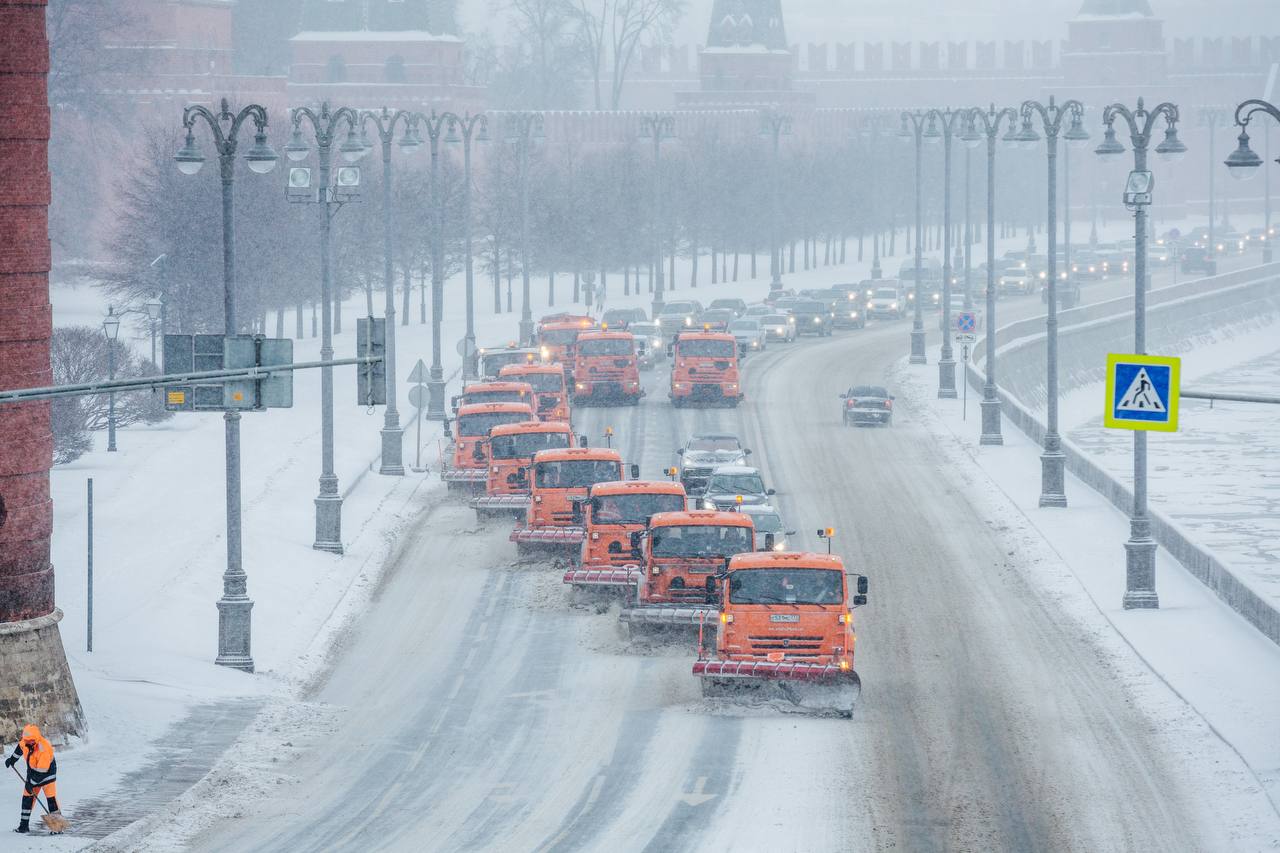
[913, 127]
[948, 119]
[474, 128]
[1140, 550]
[235, 606]
[523, 129]
[985, 124]
[658, 127]
[111, 329]
[324, 126]
[1052, 460]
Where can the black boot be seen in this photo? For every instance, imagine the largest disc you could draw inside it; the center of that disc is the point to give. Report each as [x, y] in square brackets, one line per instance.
[22, 827]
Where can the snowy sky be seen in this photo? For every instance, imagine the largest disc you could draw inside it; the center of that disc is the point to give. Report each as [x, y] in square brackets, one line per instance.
[874, 20]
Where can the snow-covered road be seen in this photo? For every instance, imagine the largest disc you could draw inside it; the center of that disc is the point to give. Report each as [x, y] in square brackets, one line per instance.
[480, 706]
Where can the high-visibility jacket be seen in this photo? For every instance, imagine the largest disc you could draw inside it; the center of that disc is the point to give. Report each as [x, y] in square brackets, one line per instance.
[42, 767]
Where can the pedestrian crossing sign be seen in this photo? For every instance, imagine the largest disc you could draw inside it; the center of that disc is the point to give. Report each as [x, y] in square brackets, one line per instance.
[1142, 392]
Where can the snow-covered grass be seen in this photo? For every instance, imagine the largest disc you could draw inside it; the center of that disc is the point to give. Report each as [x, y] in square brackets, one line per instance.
[1209, 681]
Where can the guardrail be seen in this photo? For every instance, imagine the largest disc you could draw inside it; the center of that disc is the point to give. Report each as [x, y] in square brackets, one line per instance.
[1258, 287]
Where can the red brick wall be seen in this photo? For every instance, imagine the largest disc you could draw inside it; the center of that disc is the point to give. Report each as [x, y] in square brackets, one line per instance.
[26, 578]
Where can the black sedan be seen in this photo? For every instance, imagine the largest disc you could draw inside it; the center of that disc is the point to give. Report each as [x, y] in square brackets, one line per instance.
[867, 404]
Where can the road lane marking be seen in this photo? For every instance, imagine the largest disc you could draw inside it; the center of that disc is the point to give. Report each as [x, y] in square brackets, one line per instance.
[697, 796]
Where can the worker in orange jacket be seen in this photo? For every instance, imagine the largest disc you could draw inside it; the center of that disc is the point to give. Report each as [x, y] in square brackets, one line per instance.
[42, 772]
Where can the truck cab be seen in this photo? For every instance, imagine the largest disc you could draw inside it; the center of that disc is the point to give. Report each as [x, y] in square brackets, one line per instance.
[496, 392]
[511, 448]
[548, 383]
[558, 340]
[682, 555]
[786, 617]
[704, 369]
[611, 513]
[470, 460]
[607, 369]
[557, 479]
[493, 359]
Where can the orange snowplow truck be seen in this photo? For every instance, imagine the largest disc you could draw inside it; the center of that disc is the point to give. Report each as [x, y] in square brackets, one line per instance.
[469, 464]
[704, 369]
[511, 450]
[558, 340]
[683, 555]
[558, 478]
[607, 370]
[496, 392]
[610, 514]
[786, 617]
[548, 383]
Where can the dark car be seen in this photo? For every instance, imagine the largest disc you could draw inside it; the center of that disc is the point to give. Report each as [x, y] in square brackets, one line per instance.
[845, 312]
[812, 316]
[622, 318]
[737, 306]
[773, 296]
[867, 404]
[1199, 259]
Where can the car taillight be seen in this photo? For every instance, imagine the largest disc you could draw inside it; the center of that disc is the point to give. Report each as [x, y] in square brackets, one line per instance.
[848, 404]
[888, 404]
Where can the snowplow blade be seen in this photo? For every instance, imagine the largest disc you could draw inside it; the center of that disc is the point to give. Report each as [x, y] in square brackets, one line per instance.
[814, 688]
[671, 614]
[548, 536]
[500, 502]
[609, 576]
[465, 475]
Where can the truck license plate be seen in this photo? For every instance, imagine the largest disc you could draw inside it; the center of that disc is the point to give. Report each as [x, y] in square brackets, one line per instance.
[784, 617]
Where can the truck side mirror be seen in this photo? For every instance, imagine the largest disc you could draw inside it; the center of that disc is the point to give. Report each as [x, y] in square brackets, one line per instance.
[862, 584]
[635, 544]
[769, 492]
[791, 533]
[768, 542]
[447, 432]
[477, 453]
[635, 471]
[711, 588]
[582, 440]
[576, 507]
[680, 452]
[746, 451]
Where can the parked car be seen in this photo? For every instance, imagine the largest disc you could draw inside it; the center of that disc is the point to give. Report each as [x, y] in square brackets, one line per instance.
[779, 327]
[737, 306]
[749, 334]
[867, 404]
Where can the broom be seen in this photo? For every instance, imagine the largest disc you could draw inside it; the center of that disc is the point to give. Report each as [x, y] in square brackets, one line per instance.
[55, 822]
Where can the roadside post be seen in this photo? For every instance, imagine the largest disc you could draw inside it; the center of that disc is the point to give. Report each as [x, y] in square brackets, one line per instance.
[418, 399]
[88, 633]
[965, 329]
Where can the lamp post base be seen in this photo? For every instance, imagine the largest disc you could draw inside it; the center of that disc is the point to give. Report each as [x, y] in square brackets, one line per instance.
[875, 268]
[526, 332]
[392, 452]
[776, 284]
[917, 347]
[1266, 255]
[991, 423]
[658, 305]
[329, 523]
[235, 633]
[1140, 570]
[947, 378]
[435, 399]
[1053, 465]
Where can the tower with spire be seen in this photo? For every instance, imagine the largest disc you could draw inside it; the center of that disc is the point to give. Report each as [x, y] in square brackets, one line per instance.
[746, 59]
[1113, 44]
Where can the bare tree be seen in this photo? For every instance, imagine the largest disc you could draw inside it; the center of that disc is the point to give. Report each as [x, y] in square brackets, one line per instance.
[612, 30]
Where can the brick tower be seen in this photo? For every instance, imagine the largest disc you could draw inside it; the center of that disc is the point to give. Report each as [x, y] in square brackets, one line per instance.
[35, 682]
[1114, 44]
[746, 60]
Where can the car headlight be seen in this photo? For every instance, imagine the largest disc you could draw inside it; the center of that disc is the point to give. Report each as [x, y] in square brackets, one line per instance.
[853, 315]
[893, 306]
[688, 321]
[817, 319]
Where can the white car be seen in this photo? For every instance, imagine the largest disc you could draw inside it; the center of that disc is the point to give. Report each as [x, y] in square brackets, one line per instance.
[779, 327]
[886, 302]
[767, 520]
[749, 334]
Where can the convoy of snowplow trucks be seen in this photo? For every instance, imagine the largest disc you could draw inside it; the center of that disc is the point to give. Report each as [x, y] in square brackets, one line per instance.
[767, 622]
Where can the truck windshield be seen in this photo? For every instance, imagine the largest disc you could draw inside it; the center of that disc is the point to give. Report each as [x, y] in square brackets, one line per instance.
[608, 346]
[469, 425]
[557, 337]
[542, 382]
[634, 509]
[741, 484]
[523, 445]
[700, 540]
[706, 349]
[786, 586]
[576, 474]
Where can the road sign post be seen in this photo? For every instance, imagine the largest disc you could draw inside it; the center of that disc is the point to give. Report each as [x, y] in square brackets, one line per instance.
[418, 399]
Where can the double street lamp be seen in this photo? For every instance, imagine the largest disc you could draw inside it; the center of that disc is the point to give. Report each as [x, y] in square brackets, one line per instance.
[985, 124]
[1052, 460]
[325, 125]
[1140, 550]
[913, 127]
[473, 128]
[658, 127]
[948, 119]
[523, 129]
[235, 606]
[1211, 118]
[775, 124]
[1243, 163]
